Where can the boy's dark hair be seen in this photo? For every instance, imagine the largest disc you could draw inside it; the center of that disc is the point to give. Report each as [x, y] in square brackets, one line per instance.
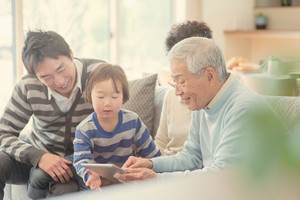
[105, 72]
[186, 30]
[41, 44]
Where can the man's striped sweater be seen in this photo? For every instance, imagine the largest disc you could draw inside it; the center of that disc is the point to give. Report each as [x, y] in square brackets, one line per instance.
[52, 130]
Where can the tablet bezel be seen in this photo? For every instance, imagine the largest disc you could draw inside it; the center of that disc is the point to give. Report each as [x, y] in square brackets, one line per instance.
[106, 170]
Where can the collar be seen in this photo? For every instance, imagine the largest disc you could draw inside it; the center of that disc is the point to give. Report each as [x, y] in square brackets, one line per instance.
[221, 92]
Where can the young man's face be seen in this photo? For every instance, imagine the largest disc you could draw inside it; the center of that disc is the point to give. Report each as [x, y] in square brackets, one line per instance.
[57, 74]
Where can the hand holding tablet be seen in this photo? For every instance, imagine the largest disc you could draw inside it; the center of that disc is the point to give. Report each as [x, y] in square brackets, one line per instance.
[106, 170]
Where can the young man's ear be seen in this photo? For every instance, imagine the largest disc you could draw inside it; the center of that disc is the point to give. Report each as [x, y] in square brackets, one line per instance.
[71, 54]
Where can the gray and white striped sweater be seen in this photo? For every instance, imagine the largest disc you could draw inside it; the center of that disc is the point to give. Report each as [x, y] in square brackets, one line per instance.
[52, 130]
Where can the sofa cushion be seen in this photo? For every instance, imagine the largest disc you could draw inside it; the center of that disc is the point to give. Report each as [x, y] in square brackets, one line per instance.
[287, 107]
[141, 98]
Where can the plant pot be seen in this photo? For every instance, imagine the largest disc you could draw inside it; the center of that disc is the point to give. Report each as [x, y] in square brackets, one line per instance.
[261, 22]
[286, 2]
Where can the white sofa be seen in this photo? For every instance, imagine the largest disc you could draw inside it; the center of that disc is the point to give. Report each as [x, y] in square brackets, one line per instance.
[288, 107]
[18, 192]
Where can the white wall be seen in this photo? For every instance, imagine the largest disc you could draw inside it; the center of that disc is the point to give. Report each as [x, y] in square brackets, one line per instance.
[223, 15]
[220, 15]
[187, 10]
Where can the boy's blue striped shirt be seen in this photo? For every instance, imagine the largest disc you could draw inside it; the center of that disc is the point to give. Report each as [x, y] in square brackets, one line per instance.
[130, 137]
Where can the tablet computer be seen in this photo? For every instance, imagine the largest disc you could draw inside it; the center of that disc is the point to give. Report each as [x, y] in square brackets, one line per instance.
[106, 170]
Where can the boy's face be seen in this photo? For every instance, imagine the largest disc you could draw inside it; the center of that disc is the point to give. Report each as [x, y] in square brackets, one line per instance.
[106, 101]
[57, 74]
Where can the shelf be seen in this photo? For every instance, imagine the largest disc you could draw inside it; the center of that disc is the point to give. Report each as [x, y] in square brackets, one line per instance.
[287, 34]
[276, 4]
[276, 7]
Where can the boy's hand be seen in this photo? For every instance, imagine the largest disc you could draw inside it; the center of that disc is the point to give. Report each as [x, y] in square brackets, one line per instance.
[94, 181]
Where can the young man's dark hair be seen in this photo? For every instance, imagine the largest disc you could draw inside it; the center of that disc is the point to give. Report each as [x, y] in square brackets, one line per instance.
[39, 45]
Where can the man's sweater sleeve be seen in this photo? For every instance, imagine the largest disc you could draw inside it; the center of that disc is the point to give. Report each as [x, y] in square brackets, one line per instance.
[13, 120]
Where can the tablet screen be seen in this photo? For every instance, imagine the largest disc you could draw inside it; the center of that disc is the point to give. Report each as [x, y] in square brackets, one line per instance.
[106, 170]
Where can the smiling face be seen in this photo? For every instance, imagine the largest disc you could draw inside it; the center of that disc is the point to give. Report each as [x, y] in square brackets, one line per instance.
[107, 99]
[57, 74]
[196, 92]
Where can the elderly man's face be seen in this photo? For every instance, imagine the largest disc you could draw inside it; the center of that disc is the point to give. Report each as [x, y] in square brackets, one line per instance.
[194, 91]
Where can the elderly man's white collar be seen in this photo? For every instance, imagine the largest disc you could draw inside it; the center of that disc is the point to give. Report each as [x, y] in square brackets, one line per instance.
[226, 85]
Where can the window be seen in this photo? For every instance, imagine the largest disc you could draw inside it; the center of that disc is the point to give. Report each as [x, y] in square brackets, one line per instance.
[130, 33]
[84, 24]
[143, 27]
[6, 51]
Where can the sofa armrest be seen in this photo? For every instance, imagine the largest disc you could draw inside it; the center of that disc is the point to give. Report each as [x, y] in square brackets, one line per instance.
[15, 192]
[287, 107]
[160, 92]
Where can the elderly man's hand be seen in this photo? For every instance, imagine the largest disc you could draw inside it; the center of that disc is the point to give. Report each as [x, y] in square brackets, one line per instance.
[135, 174]
[135, 162]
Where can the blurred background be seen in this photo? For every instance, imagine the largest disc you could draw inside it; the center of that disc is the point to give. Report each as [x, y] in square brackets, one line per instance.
[131, 33]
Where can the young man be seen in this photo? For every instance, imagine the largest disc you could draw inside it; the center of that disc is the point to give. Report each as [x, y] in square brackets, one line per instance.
[51, 95]
[221, 107]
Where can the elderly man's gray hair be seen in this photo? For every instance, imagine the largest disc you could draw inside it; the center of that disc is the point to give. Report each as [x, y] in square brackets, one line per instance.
[199, 53]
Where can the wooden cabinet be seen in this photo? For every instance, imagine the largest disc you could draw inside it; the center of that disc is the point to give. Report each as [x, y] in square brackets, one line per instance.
[276, 3]
[258, 45]
[282, 36]
[281, 18]
[267, 34]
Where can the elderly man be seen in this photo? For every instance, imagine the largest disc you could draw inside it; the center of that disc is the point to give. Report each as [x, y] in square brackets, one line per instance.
[221, 105]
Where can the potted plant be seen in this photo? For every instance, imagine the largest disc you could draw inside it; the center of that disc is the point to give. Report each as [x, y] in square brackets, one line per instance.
[261, 21]
[286, 2]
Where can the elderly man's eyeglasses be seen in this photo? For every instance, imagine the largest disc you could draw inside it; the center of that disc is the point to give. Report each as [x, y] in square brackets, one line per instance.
[179, 86]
